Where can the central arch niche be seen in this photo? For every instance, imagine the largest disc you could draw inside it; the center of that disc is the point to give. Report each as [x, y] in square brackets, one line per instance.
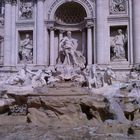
[70, 13]
[70, 16]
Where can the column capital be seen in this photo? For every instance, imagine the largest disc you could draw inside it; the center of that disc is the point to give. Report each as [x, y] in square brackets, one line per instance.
[89, 25]
[61, 31]
[51, 28]
[14, 2]
[89, 22]
[50, 25]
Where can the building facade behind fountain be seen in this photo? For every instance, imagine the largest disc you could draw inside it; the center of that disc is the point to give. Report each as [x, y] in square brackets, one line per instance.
[30, 31]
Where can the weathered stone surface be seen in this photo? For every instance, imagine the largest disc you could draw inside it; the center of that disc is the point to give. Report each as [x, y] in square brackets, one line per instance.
[37, 117]
[88, 115]
[41, 90]
[129, 107]
[5, 103]
[93, 103]
[34, 102]
[12, 120]
[114, 128]
[137, 115]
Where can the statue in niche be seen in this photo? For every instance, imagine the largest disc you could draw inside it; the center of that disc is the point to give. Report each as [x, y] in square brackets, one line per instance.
[68, 54]
[2, 12]
[26, 50]
[2, 8]
[117, 6]
[118, 46]
[26, 10]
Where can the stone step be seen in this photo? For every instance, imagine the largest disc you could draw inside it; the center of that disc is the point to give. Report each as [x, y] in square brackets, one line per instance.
[65, 84]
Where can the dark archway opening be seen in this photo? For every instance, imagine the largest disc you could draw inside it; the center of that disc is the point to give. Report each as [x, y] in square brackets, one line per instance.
[70, 13]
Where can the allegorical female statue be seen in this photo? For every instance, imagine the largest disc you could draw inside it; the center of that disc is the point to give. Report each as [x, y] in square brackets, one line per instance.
[26, 49]
[118, 46]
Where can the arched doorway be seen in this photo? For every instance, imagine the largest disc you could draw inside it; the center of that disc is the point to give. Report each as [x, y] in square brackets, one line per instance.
[71, 16]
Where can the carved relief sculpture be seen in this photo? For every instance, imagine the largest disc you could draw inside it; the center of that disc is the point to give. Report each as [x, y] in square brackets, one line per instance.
[118, 6]
[26, 50]
[26, 9]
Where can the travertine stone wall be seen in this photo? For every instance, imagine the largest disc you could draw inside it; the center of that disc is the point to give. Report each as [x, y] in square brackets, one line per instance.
[96, 30]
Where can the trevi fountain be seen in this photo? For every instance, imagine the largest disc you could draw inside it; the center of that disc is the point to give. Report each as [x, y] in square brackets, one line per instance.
[69, 70]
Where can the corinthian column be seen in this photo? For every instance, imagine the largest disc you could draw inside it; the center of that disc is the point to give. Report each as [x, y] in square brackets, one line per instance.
[89, 46]
[40, 32]
[136, 27]
[7, 33]
[52, 57]
[83, 41]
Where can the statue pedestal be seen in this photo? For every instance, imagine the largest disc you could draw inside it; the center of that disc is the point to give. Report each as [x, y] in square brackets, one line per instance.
[118, 60]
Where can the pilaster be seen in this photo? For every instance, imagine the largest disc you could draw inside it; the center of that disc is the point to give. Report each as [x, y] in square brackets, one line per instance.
[40, 32]
[102, 47]
[7, 33]
[136, 30]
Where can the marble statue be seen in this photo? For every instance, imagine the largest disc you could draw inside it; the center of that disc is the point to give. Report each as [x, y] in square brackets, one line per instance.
[19, 78]
[134, 73]
[50, 79]
[97, 77]
[94, 79]
[26, 10]
[26, 49]
[37, 78]
[79, 79]
[118, 46]
[109, 75]
[69, 55]
[67, 72]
